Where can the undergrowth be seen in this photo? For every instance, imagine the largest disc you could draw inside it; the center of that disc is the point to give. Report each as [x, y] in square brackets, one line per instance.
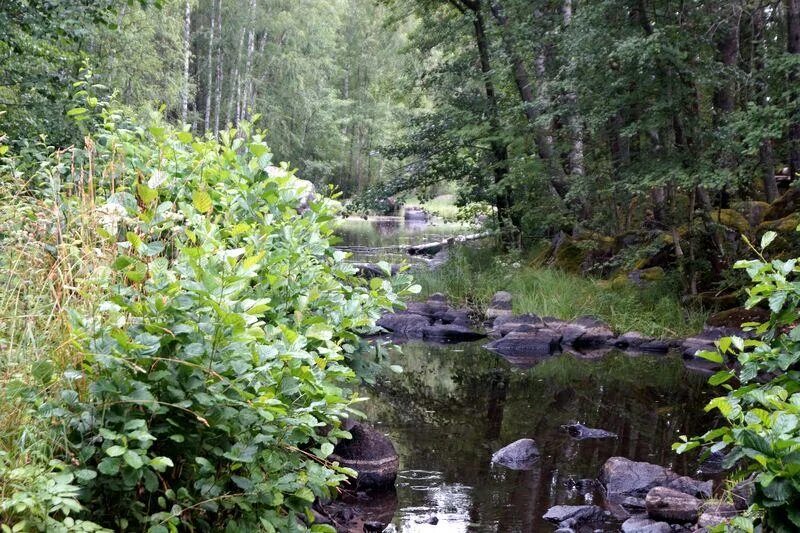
[472, 275]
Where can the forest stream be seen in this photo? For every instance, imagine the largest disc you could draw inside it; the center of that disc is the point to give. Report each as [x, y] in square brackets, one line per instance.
[455, 404]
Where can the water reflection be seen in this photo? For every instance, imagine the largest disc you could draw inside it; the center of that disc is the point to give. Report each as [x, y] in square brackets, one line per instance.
[370, 236]
[451, 408]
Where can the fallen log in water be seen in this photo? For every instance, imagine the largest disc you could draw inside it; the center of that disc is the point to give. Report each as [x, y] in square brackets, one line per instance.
[433, 248]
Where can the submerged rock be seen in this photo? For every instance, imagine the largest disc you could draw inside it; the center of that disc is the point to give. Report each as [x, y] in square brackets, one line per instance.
[670, 505]
[371, 454]
[519, 455]
[580, 432]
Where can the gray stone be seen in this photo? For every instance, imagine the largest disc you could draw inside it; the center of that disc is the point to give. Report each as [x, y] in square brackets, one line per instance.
[622, 478]
[631, 339]
[670, 505]
[639, 524]
[536, 342]
[404, 323]
[716, 513]
[580, 432]
[503, 325]
[693, 487]
[500, 305]
[594, 337]
[576, 513]
[655, 346]
[743, 493]
[519, 455]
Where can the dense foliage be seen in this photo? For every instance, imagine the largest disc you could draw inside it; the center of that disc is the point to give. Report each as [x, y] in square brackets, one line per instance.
[762, 406]
[214, 344]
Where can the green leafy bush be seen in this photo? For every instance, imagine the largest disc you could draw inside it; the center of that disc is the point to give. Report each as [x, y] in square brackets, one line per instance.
[762, 406]
[217, 354]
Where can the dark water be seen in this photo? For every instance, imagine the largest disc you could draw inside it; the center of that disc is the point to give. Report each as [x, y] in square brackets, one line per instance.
[382, 238]
[456, 404]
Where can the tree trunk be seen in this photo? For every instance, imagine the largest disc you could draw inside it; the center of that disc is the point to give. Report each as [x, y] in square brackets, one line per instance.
[499, 148]
[210, 67]
[793, 47]
[248, 68]
[544, 142]
[766, 156]
[187, 58]
[218, 88]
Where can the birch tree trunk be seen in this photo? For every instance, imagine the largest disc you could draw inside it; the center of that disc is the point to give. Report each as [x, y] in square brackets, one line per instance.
[218, 87]
[187, 58]
[210, 68]
[793, 47]
[248, 68]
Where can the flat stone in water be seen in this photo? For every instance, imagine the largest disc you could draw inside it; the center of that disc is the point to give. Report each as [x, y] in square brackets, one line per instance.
[640, 524]
[576, 513]
[519, 455]
[581, 432]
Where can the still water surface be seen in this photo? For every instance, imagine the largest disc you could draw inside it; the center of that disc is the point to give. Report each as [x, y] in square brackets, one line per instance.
[454, 405]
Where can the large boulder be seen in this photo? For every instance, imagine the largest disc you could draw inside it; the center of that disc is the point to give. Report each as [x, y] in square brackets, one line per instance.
[693, 487]
[528, 341]
[371, 454]
[405, 323]
[503, 325]
[734, 318]
[670, 505]
[519, 455]
[500, 305]
[623, 478]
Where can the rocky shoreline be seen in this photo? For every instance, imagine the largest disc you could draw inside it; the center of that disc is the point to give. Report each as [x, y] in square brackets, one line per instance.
[523, 338]
[636, 497]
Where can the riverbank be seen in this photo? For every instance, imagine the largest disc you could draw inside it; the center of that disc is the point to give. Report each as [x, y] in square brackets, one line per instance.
[473, 274]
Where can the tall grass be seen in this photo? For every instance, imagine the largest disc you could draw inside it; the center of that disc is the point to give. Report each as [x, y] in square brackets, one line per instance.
[47, 264]
[473, 275]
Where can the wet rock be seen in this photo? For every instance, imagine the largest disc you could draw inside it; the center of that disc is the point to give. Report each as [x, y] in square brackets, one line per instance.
[655, 346]
[631, 339]
[742, 494]
[456, 316]
[693, 487]
[503, 325]
[642, 524]
[405, 323]
[372, 270]
[450, 333]
[623, 478]
[704, 341]
[712, 465]
[371, 454]
[716, 513]
[500, 305]
[670, 505]
[519, 455]
[575, 514]
[571, 333]
[594, 337]
[580, 432]
[533, 342]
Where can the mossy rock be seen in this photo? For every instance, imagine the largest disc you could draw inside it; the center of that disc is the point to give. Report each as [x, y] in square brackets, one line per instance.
[619, 282]
[652, 274]
[732, 219]
[783, 225]
[569, 257]
[787, 204]
[753, 211]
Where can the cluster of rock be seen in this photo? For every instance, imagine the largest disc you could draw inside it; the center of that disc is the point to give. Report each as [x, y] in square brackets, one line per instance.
[648, 498]
[528, 335]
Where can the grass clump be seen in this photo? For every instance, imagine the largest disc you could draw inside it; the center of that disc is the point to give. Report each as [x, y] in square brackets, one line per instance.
[473, 275]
